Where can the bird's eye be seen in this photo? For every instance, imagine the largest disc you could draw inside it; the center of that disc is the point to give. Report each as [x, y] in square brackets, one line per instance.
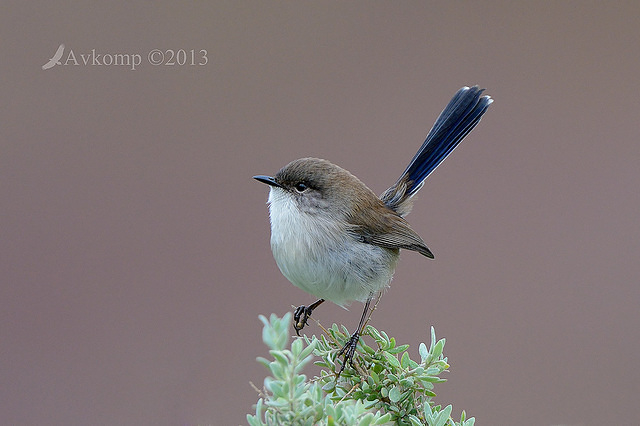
[301, 187]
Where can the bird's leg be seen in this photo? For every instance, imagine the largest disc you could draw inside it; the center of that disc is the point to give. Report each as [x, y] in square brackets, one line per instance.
[302, 314]
[349, 349]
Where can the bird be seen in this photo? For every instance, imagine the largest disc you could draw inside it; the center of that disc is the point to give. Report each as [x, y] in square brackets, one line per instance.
[55, 60]
[334, 238]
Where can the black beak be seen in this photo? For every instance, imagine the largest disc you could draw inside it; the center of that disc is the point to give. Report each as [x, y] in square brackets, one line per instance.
[268, 180]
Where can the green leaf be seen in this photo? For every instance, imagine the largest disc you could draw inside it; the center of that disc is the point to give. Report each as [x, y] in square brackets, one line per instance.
[433, 337]
[441, 418]
[384, 419]
[374, 333]
[395, 394]
[296, 347]
[369, 349]
[422, 349]
[398, 349]
[430, 379]
[384, 392]
[414, 420]
[407, 382]
[404, 361]
[437, 351]
[280, 357]
[329, 387]
[391, 359]
[366, 420]
[263, 361]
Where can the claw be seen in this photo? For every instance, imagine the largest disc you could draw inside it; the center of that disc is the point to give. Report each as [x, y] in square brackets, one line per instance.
[302, 314]
[300, 317]
[349, 350]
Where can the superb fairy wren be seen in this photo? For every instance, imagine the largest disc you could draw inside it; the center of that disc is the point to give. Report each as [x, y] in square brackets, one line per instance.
[334, 238]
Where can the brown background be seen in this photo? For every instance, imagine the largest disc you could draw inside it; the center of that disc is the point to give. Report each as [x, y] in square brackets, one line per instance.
[134, 245]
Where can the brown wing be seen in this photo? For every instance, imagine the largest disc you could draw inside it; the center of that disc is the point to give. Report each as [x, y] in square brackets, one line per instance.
[385, 228]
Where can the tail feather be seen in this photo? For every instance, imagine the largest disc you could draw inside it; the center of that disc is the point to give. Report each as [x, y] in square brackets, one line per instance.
[459, 117]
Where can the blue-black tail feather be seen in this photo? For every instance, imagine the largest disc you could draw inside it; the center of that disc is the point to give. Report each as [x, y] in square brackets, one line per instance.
[459, 117]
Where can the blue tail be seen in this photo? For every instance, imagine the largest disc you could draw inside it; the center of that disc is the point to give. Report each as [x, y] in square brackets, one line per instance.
[454, 123]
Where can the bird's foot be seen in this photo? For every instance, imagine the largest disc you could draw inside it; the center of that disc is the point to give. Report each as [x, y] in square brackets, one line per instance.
[302, 314]
[349, 350]
[300, 317]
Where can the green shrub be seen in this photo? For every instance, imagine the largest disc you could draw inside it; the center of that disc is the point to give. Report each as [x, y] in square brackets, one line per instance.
[384, 385]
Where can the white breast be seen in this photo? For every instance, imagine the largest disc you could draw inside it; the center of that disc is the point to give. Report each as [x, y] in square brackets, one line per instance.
[317, 254]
